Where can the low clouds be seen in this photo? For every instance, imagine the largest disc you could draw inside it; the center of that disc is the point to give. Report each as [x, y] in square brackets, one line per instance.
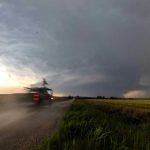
[82, 47]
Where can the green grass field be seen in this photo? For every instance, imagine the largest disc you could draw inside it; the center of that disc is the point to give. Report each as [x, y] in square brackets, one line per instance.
[103, 125]
[143, 104]
[136, 105]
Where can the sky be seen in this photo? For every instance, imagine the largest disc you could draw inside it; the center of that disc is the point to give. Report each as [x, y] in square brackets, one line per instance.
[82, 47]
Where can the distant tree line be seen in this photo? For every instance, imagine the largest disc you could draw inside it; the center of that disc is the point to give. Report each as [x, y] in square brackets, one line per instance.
[87, 97]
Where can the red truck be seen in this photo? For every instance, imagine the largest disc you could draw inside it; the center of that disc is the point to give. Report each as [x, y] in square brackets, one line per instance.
[41, 94]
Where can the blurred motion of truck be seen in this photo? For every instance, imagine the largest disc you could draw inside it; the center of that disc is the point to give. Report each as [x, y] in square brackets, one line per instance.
[41, 94]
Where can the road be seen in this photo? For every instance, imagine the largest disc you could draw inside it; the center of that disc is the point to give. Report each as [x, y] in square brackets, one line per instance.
[22, 127]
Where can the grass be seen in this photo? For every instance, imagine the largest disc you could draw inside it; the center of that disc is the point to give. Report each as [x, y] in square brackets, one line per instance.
[143, 104]
[100, 125]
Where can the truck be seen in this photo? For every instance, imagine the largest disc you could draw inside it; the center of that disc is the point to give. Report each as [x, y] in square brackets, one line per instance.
[41, 94]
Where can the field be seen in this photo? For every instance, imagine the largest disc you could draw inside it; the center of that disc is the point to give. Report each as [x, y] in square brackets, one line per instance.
[103, 125]
[139, 104]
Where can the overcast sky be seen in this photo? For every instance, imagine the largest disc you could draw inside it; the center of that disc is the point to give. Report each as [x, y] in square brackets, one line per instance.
[82, 47]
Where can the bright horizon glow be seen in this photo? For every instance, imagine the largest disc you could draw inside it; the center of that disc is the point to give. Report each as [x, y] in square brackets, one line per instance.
[7, 80]
[11, 90]
[59, 94]
[12, 82]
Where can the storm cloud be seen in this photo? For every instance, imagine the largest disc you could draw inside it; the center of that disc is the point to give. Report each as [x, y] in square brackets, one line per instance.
[82, 47]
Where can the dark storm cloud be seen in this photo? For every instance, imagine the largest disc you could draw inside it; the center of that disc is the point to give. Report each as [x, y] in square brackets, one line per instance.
[83, 47]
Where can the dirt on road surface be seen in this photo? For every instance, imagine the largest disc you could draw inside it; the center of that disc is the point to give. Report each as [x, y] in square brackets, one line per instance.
[23, 127]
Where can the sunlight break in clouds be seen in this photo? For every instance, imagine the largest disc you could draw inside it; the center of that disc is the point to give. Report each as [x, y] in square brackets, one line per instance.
[14, 80]
[135, 94]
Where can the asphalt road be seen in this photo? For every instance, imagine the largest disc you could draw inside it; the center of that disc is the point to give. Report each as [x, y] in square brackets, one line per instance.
[23, 126]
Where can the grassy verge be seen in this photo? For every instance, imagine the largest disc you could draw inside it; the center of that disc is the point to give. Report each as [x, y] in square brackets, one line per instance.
[90, 126]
